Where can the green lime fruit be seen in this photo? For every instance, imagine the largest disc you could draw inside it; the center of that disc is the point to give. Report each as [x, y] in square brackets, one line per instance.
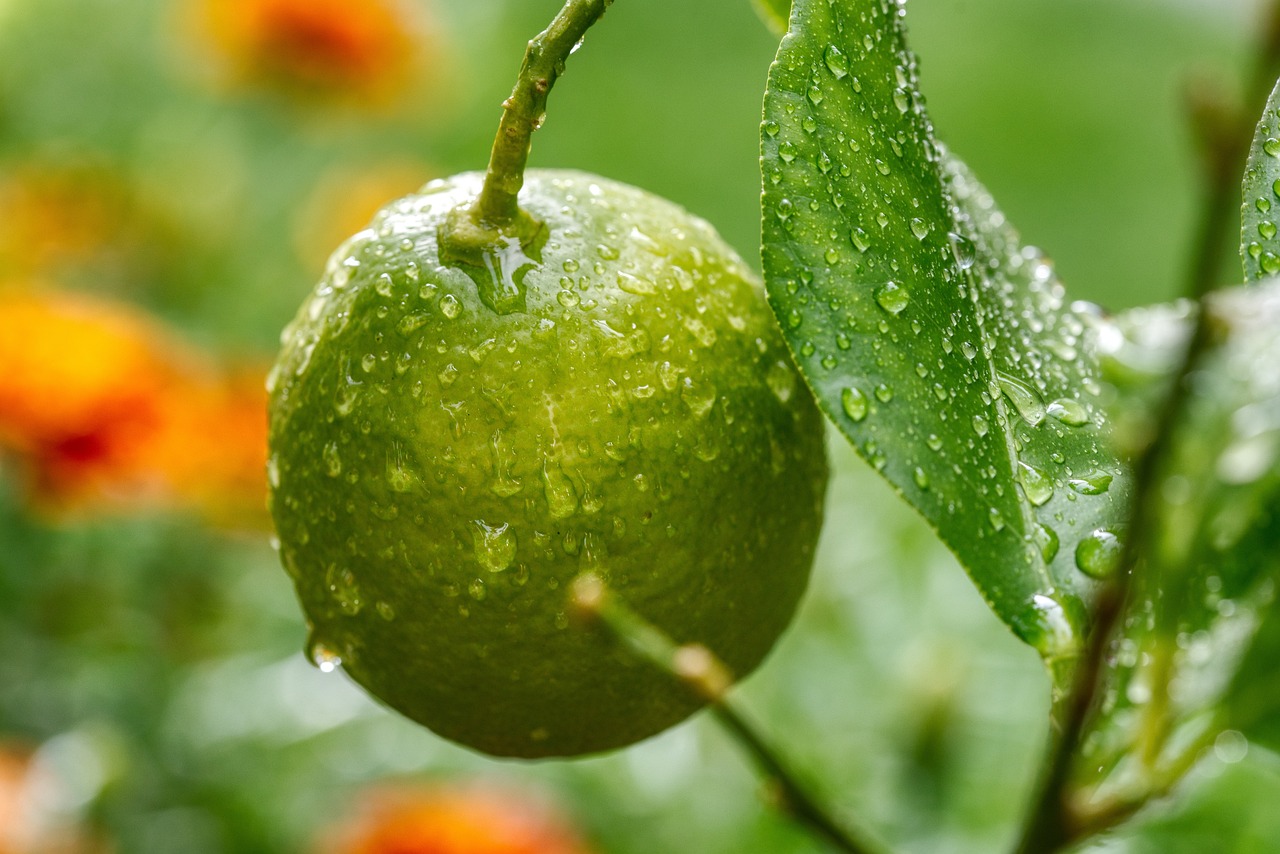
[451, 446]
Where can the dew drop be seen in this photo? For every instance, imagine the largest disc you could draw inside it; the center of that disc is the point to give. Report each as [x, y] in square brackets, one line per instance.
[342, 586]
[1098, 554]
[837, 62]
[562, 498]
[892, 297]
[980, 425]
[1046, 540]
[323, 658]
[1092, 483]
[1037, 486]
[1023, 397]
[332, 460]
[1052, 625]
[495, 545]
[963, 249]
[854, 403]
[781, 381]
[1068, 411]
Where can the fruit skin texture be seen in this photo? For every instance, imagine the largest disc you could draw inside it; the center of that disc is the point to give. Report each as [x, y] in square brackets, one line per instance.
[441, 473]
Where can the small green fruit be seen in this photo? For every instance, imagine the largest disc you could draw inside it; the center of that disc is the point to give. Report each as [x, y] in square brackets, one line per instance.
[442, 472]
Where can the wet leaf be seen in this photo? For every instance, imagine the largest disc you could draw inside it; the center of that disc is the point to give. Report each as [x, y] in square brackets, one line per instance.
[943, 349]
[1260, 214]
[1191, 669]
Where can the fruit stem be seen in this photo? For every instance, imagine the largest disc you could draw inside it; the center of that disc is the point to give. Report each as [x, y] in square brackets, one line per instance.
[699, 670]
[524, 110]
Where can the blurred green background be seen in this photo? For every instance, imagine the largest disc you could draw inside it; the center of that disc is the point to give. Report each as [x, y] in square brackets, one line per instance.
[151, 678]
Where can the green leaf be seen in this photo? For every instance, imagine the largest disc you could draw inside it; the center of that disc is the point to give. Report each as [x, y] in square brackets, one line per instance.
[1191, 665]
[774, 13]
[942, 348]
[1259, 242]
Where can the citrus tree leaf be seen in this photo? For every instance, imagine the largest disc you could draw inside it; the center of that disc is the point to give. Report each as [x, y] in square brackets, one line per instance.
[1191, 666]
[1259, 243]
[942, 348]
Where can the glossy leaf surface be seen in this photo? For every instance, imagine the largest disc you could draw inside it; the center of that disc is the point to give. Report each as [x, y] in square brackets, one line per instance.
[1260, 214]
[943, 349]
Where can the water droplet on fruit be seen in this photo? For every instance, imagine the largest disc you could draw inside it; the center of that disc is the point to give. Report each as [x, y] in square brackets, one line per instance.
[698, 396]
[332, 460]
[495, 545]
[323, 658]
[341, 583]
[562, 498]
[781, 380]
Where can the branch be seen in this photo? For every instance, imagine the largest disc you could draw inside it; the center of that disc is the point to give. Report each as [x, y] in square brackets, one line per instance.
[706, 676]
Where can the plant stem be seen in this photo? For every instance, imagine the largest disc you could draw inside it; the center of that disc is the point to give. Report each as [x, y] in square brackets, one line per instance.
[1054, 821]
[706, 676]
[524, 110]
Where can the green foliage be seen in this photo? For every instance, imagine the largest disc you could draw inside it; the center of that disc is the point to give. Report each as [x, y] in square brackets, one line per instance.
[1187, 671]
[939, 345]
[1259, 243]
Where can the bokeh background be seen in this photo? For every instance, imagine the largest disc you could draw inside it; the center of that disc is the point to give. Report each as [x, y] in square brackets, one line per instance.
[172, 177]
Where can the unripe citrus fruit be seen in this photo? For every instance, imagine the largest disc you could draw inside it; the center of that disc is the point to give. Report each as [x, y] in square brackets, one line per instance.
[452, 446]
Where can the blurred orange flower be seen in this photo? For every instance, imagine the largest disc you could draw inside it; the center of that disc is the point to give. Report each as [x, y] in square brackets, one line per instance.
[25, 826]
[452, 820]
[57, 216]
[103, 407]
[337, 47]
